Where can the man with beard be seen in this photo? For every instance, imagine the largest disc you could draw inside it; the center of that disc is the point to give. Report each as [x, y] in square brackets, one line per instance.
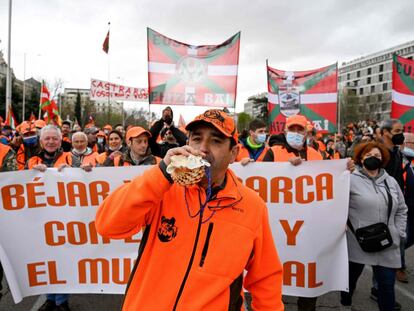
[66, 140]
[138, 152]
[198, 240]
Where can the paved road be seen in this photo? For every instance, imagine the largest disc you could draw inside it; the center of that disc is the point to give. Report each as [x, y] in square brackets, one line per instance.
[330, 301]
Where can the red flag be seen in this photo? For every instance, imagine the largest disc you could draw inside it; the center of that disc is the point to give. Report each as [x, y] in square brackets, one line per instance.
[311, 93]
[105, 46]
[49, 106]
[32, 117]
[184, 74]
[402, 107]
[10, 119]
[181, 121]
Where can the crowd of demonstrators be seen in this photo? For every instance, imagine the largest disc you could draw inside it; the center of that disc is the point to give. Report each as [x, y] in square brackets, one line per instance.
[382, 182]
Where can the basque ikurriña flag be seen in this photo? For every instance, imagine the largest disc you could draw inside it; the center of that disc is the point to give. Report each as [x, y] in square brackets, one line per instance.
[184, 74]
[312, 93]
[402, 107]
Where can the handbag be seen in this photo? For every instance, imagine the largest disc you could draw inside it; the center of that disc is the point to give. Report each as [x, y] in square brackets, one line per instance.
[375, 237]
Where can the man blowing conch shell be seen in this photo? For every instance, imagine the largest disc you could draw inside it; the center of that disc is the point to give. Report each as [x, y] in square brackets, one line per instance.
[199, 238]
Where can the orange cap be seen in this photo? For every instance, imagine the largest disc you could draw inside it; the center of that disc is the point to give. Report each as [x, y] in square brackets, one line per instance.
[26, 127]
[296, 120]
[107, 127]
[219, 119]
[40, 123]
[135, 132]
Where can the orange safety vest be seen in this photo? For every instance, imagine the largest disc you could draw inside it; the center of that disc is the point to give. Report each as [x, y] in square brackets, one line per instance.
[64, 158]
[100, 159]
[4, 150]
[21, 158]
[90, 159]
[280, 154]
[244, 153]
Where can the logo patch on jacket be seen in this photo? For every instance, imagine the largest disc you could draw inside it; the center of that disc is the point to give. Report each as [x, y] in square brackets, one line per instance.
[167, 231]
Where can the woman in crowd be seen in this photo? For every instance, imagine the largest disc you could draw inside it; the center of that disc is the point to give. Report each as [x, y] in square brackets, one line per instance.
[115, 148]
[375, 197]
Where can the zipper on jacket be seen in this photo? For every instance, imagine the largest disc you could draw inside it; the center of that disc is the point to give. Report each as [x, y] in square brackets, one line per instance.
[206, 243]
[200, 220]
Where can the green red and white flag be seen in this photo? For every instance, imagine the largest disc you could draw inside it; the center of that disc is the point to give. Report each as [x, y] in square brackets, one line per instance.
[10, 118]
[49, 106]
[312, 93]
[402, 107]
[184, 74]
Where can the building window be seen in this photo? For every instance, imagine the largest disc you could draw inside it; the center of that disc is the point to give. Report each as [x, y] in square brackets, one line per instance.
[361, 91]
[380, 97]
[369, 70]
[358, 74]
[372, 88]
[356, 82]
[348, 76]
[381, 68]
[381, 78]
[384, 86]
[348, 84]
[369, 80]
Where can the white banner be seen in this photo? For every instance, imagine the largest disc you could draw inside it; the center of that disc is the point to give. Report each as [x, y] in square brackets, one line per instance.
[101, 90]
[48, 242]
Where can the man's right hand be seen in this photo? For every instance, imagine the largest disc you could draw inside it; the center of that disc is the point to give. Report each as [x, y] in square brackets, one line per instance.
[184, 150]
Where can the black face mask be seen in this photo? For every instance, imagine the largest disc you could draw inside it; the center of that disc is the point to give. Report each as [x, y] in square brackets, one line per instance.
[398, 139]
[372, 163]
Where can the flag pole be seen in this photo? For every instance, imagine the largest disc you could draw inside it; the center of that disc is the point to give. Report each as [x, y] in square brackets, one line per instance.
[8, 75]
[338, 104]
[109, 76]
[40, 101]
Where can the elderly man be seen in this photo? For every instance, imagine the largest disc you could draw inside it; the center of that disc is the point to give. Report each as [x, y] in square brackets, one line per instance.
[138, 152]
[51, 153]
[82, 156]
[199, 240]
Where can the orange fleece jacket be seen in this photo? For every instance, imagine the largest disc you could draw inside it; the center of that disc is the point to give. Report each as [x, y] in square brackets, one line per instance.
[236, 237]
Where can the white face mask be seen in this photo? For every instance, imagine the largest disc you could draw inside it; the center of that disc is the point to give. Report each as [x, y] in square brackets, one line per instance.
[408, 152]
[295, 140]
[261, 138]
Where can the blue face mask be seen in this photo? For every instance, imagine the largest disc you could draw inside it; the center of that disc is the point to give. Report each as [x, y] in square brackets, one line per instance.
[30, 141]
[408, 152]
[261, 138]
[295, 140]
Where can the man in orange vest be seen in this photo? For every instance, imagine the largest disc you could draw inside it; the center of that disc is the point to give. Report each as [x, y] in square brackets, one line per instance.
[253, 148]
[66, 140]
[138, 152]
[294, 149]
[51, 154]
[7, 163]
[203, 236]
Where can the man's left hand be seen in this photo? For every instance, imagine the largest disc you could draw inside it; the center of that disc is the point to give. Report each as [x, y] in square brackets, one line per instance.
[350, 165]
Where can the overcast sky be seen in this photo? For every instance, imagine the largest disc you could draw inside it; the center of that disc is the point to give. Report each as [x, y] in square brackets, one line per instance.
[63, 38]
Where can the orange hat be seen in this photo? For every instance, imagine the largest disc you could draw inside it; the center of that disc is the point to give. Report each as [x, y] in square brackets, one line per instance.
[107, 127]
[135, 132]
[26, 127]
[296, 120]
[40, 123]
[100, 134]
[219, 119]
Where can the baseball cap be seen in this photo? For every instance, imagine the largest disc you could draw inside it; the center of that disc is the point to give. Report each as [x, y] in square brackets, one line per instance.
[296, 120]
[135, 132]
[219, 119]
[26, 127]
[40, 123]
